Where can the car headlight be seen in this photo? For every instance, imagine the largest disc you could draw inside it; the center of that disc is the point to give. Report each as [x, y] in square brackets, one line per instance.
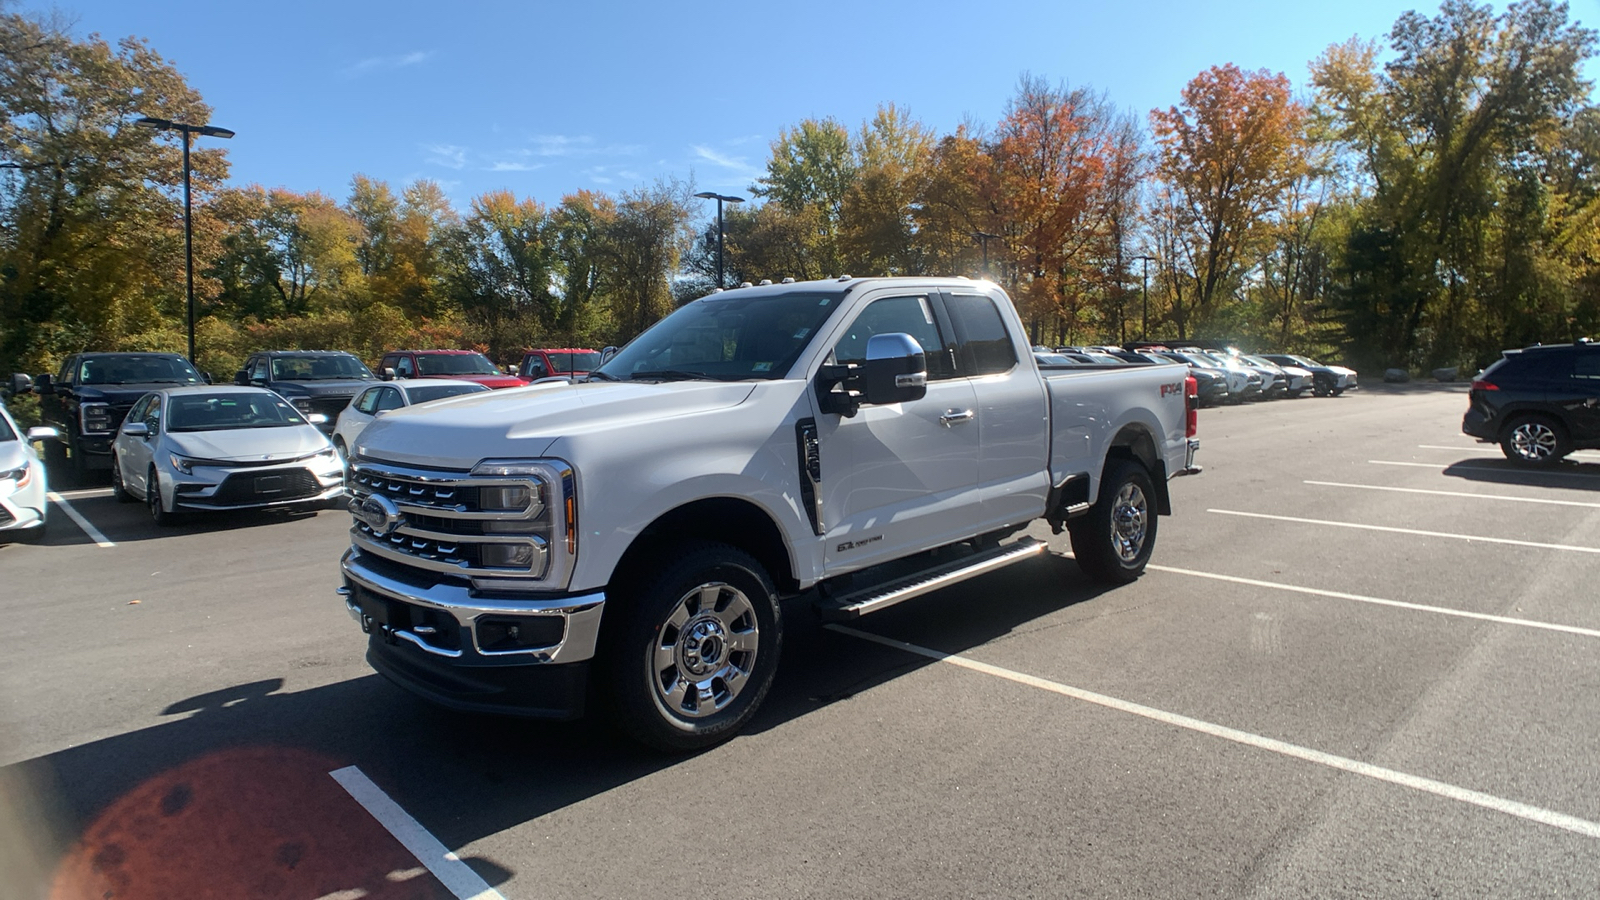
[182, 463]
[532, 498]
[94, 418]
[16, 477]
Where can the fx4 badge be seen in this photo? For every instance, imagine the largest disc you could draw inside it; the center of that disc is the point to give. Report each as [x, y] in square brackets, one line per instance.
[852, 545]
[1168, 390]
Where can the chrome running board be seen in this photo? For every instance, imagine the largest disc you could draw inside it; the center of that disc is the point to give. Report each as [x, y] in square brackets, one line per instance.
[862, 602]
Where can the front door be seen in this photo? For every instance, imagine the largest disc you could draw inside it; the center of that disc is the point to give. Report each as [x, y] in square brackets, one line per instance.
[902, 475]
[1584, 408]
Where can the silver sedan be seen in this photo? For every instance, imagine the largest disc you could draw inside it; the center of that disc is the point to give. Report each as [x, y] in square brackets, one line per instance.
[212, 447]
[380, 398]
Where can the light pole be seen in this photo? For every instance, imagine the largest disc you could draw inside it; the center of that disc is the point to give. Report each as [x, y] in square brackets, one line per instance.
[708, 195]
[1144, 327]
[188, 223]
[984, 238]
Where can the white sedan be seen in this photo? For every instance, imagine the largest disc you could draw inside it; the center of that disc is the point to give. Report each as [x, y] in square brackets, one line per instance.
[213, 447]
[23, 509]
[379, 399]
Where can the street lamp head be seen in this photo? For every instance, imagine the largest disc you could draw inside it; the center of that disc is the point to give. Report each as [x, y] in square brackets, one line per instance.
[710, 195]
[213, 131]
[706, 195]
[153, 122]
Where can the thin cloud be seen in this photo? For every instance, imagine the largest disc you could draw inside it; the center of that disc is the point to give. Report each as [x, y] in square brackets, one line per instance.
[448, 155]
[504, 166]
[398, 61]
[577, 145]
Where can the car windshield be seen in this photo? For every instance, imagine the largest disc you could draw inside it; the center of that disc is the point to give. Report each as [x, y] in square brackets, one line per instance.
[318, 368]
[222, 412]
[726, 337]
[583, 361]
[1306, 361]
[137, 370]
[455, 364]
[424, 393]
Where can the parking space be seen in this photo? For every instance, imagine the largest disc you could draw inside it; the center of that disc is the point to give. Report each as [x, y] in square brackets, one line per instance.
[1363, 664]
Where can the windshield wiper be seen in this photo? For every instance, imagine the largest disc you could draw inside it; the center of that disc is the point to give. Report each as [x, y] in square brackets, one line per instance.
[602, 376]
[673, 375]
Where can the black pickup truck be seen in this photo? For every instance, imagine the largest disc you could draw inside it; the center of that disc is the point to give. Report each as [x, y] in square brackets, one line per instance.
[315, 381]
[88, 397]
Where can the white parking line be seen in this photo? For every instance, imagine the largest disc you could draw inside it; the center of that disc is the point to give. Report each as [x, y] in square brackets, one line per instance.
[1401, 490]
[1379, 601]
[93, 532]
[85, 492]
[445, 865]
[1442, 466]
[1440, 534]
[1272, 745]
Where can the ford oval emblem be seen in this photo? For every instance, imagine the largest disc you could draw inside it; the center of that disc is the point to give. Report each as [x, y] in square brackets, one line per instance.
[380, 514]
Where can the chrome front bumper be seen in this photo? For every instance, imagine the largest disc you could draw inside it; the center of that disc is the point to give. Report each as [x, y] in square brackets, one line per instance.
[579, 616]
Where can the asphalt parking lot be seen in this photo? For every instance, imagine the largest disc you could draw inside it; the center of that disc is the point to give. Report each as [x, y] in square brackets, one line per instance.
[1362, 664]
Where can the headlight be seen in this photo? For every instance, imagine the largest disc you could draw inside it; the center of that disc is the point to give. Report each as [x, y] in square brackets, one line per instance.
[19, 476]
[95, 418]
[532, 498]
[182, 464]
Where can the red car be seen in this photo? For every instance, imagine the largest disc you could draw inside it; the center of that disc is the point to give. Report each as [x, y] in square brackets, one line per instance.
[565, 361]
[465, 365]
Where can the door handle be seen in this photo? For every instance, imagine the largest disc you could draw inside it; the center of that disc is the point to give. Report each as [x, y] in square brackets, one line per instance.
[950, 418]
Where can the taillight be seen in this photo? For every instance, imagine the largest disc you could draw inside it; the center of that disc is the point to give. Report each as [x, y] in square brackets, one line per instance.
[1478, 384]
[1191, 397]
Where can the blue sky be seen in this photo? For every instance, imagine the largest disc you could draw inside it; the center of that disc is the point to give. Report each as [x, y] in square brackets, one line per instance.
[547, 98]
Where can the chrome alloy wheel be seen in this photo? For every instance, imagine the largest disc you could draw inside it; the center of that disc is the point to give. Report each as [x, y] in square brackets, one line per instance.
[1534, 441]
[1130, 517]
[705, 651]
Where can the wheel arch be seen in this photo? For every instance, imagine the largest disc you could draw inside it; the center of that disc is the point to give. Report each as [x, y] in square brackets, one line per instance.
[1135, 441]
[728, 520]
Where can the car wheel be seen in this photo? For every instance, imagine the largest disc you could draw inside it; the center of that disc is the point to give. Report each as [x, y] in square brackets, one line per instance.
[119, 491]
[1319, 388]
[55, 459]
[344, 452]
[158, 512]
[1535, 441]
[1114, 540]
[695, 650]
[1336, 391]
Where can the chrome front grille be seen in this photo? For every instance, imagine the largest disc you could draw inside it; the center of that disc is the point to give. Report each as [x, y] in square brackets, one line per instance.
[435, 521]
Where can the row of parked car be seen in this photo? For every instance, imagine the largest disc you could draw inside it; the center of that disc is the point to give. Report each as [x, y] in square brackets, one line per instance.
[1223, 375]
[277, 437]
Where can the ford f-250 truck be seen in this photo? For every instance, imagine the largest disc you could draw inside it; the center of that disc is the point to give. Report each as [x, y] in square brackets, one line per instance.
[626, 539]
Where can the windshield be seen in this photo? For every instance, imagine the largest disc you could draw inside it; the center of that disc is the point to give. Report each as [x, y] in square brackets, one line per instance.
[424, 393]
[726, 337]
[318, 368]
[222, 412]
[137, 370]
[575, 362]
[455, 364]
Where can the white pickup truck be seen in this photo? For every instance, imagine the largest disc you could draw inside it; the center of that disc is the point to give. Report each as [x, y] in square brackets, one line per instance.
[624, 540]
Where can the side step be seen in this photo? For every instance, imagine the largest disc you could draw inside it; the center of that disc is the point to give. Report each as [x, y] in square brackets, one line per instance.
[856, 604]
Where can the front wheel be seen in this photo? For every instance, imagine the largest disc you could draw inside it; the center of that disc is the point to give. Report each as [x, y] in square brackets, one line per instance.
[119, 491]
[695, 650]
[1114, 540]
[152, 496]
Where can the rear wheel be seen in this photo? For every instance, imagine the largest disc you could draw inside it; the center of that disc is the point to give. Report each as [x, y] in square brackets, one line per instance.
[695, 650]
[1535, 441]
[1114, 540]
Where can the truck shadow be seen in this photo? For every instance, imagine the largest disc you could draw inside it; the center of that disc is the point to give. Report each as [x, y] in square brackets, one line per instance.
[466, 777]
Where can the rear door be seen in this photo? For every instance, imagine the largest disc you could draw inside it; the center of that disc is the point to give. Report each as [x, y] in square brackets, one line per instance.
[1584, 408]
[1012, 408]
[901, 476]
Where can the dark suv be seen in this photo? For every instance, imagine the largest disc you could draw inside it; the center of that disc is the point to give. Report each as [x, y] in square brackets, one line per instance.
[315, 381]
[1538, 404]
[87, 398]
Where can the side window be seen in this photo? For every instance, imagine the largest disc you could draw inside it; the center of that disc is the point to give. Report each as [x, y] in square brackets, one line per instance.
[1587, 365]
[68, 369]
[389, 398]
[152, 414]
[368, 401]
[906, 315]
[137, 413]
[986, 347]
[403, 368]
[258, 370]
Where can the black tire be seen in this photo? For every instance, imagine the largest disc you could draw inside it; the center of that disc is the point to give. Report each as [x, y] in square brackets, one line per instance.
[344, 452]
[1535, 440]
[1336, 391]
[80, 473]
[55, 459]
[1114, 540]
[119, 491]
[1320, 388]
[723, 596]
[152, 499]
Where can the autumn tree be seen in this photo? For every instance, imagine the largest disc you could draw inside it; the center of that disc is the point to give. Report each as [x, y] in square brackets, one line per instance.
[1228, 153]
[497, 267]
[811, 169]
[644, 245]
[878, 229]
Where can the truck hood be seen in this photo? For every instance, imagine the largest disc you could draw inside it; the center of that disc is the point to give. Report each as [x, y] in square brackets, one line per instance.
[254, 444]
[118, 393]
[459, 432]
